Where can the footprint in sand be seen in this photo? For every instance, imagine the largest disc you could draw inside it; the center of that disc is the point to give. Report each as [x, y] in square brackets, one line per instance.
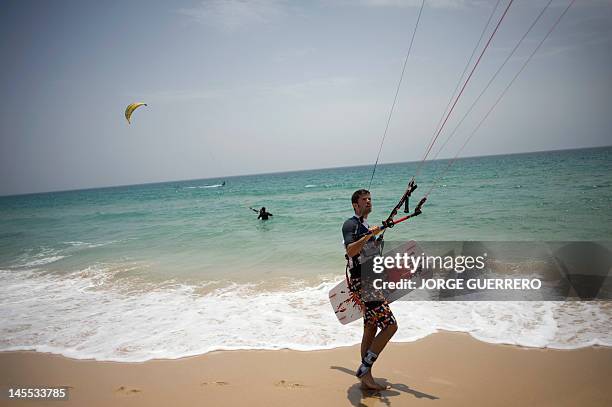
[126, 391]
[214, 383]
[289, 385]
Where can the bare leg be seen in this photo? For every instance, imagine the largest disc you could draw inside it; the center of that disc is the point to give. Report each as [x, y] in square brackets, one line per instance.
[377, 345]
[381, 340]
[369, 332]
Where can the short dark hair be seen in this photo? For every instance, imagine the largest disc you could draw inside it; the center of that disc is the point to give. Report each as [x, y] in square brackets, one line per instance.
[357, 194]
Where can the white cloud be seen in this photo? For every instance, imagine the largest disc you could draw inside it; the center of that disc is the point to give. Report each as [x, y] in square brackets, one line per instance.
[232, 15]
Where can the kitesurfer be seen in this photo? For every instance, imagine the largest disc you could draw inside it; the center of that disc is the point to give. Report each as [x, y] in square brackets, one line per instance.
[263, 214]
[359, 239]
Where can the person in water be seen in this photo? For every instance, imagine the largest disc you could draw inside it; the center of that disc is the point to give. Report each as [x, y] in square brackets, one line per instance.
[263, 215]
[359, 237]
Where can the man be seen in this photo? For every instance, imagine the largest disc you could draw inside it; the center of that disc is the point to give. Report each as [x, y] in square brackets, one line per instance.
[263, 215]
[360, 242]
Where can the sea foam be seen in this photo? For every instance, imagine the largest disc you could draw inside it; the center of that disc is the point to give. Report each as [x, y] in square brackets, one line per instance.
[83, 315]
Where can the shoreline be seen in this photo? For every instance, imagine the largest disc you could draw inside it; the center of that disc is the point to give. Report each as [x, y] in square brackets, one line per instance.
[449, 367]
[323, 349]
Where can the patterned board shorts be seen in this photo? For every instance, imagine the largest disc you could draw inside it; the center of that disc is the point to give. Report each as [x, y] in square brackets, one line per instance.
[376, 312]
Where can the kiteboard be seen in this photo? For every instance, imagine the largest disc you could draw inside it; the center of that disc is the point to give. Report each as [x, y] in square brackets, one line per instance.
[347, 307]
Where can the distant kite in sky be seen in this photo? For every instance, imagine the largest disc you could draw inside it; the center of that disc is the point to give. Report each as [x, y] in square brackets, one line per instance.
[130, 109]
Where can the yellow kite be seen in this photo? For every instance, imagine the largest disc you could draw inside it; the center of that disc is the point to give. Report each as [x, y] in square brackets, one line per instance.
[130, 109]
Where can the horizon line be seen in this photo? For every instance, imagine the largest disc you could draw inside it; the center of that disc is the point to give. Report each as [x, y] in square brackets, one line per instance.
[223, 177]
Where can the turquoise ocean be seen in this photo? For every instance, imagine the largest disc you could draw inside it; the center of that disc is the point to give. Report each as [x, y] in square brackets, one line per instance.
[182, 268]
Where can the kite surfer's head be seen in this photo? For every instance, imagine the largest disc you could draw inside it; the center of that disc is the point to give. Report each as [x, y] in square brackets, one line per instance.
[362, 202]
[263, 209]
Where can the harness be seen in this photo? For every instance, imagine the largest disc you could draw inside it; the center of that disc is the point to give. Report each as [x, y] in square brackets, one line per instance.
[370, 249]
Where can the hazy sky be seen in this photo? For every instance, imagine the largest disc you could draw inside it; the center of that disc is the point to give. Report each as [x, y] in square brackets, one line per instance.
[242, 87]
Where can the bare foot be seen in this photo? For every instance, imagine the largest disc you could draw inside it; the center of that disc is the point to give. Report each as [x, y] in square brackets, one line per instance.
[368, 383]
